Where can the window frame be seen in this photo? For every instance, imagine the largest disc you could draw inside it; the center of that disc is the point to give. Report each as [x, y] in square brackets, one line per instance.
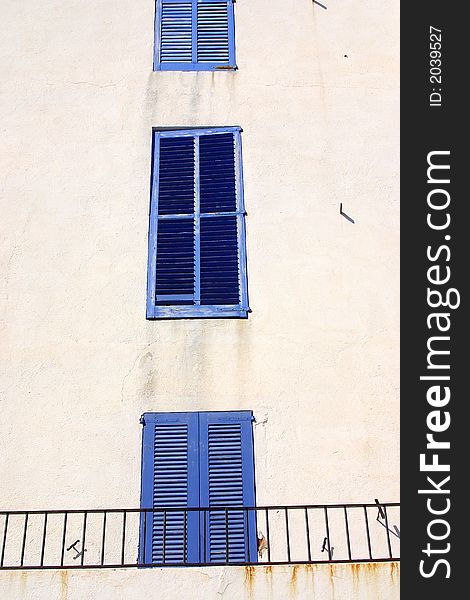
[240, 310]
[198, 475]
[231, 65]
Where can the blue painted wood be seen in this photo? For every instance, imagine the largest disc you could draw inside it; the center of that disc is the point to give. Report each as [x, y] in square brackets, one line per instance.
[219, 243]
[194, 35]
[170, 478]
[153, 223]
[175, 265]
[196, 131]
[197, 241]
[200, 312]
[157, 35]
[204, 216]
[231, 34]
[197, 226]
[243, 272]
[175, 258]
[198, 460]
[227, 479]
[174, 297]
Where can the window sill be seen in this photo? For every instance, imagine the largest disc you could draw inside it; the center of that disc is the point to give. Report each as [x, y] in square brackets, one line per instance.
[197, 312]
[194, 67]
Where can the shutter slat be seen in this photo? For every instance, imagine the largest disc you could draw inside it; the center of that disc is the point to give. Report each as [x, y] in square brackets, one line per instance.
[198, 459]
[224, 491]
[199, 233]
[175, 257]
[227, 463]
[170, 478]
[175, 265]
[219, 235]
[219, 241]
[176, 175]
[217, 173]
[194, 34]
[212, 32]
[176, 32]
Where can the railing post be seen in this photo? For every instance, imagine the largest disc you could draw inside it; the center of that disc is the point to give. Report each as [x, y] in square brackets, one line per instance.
[4, 543]
[43, 545]
[103, 538]
[268, 541]
[123, 542]
[82, 558]
[346, 524]
[307, 532]
[144, 557]
[64, 533]
[247, 537]
[204, 535]
[367, 532]
[327, 533]
[287, 533]
[24, 538]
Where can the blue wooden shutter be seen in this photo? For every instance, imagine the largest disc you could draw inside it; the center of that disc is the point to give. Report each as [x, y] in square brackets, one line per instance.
[219, 236]
[227, 479]
[170, 478]
[197, 248]
[213, 32]
[175, 266]
[176, 26]
[194, 35]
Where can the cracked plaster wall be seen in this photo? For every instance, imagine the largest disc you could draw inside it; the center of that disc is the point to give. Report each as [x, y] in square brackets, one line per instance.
[317, 361]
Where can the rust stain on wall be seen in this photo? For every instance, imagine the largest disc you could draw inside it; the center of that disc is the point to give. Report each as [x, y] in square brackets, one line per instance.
[250, 573]
[24, 582]
[372, 575]
[268, 570]
[367, 567]
[293, 579]
[269, 579]
[64, 585]
[355, 569]
[332, 575]
[394, 570]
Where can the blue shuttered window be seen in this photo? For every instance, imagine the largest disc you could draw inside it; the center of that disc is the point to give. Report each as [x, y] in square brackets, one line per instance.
[198, 460]
[170, 477]
[227, 479]
[194, 35]
[197, 248]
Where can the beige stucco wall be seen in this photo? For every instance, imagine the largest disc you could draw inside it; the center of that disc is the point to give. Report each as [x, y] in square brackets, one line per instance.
[312, 582]
[316, 94]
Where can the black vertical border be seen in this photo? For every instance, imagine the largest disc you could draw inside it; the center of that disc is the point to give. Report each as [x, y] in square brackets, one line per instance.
[425, 129]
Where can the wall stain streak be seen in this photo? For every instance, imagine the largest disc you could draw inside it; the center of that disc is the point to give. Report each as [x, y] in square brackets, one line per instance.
[64, 585]
[269, 580]
[250, 573]
[332, 575]
[293, 580]
[394, 571]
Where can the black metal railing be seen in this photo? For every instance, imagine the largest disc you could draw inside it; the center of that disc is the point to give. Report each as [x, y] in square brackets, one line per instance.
[111, 538]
